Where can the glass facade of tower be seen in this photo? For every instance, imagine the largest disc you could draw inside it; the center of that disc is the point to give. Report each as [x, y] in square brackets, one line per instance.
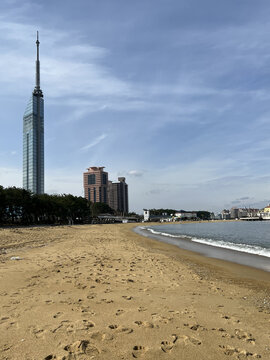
[33, 144]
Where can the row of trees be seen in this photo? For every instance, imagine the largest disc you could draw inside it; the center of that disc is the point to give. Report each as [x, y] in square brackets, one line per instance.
[21, 206]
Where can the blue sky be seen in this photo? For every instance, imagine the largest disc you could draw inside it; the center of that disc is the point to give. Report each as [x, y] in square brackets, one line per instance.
[172, 94]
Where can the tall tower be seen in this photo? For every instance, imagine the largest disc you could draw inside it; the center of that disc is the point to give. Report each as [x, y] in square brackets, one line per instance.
[33, 137]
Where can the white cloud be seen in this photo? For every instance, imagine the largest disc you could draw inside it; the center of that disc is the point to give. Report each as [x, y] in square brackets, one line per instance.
[94, 142]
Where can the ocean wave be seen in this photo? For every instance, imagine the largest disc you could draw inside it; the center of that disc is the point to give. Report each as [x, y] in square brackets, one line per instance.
[166, 234]
[250, 249]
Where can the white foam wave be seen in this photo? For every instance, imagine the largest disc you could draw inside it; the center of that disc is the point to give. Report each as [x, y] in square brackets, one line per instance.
[250, 249]
[166, 234]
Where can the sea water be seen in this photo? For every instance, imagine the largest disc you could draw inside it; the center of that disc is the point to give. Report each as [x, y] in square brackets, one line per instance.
[235, 241]
[246, 236]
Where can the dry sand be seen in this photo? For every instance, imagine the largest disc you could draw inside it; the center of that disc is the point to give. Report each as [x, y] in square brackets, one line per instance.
[104, 292]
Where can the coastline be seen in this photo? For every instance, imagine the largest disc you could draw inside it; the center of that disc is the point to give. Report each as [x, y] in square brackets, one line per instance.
[210, 251]
[105, 292]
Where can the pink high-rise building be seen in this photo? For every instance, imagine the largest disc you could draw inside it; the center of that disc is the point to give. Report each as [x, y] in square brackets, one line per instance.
[97, 188]
[95, 182]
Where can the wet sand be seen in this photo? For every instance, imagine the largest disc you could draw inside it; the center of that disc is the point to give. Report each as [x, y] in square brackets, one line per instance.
[104, 292]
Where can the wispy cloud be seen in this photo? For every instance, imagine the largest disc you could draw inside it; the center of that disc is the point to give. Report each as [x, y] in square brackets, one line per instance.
[67, 69]
[94, 142]
[137, 173]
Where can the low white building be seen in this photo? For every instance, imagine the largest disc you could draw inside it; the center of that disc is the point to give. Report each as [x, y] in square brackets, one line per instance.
[146, 215]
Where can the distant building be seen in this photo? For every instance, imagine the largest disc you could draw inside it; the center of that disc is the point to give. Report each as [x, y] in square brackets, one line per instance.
[33, 137]
[186, 215]
[95, 183]
[98, 188]
[239, 213]
[212, 216]
[267, 209]
[243, 212]
[264, 214]
[225, 214]
[118, 195]
[253, 212]
[146, 215]
[234, 213]
[164, 217]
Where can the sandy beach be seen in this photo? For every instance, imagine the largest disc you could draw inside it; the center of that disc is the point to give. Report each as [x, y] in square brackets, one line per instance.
[105, 292]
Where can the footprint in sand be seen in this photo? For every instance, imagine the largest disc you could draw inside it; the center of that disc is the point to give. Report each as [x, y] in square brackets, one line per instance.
[159, 318]
[195, 327]
[79, 325]
[188, 340]
[59, 313]
[5, 347]
[175, 312]
[107, 301]
[82, 347]
[107, 291]
[226, 317]
[138, 351]
[146, 324]
[38, 332]
[113, 326]
[98, 336]
[3, 319]
[239, 353]
[242, 335]
[141, 308]
[234, 320]
[119, 312]
[86, 309]
[122, 329]
[167, 346]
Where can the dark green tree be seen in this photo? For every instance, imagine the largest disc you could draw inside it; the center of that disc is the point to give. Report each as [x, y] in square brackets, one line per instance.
[21, 206]
[204, 215]
[100, 208]
[2, 204]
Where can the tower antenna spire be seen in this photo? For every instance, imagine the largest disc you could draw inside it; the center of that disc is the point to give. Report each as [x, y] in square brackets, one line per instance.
[37, 65]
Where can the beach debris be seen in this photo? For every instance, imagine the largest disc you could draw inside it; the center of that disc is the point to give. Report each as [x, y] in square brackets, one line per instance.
[16, 258]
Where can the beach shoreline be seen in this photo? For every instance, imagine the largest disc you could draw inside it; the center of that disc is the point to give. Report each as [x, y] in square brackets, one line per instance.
[105, 292]
[211, 251]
